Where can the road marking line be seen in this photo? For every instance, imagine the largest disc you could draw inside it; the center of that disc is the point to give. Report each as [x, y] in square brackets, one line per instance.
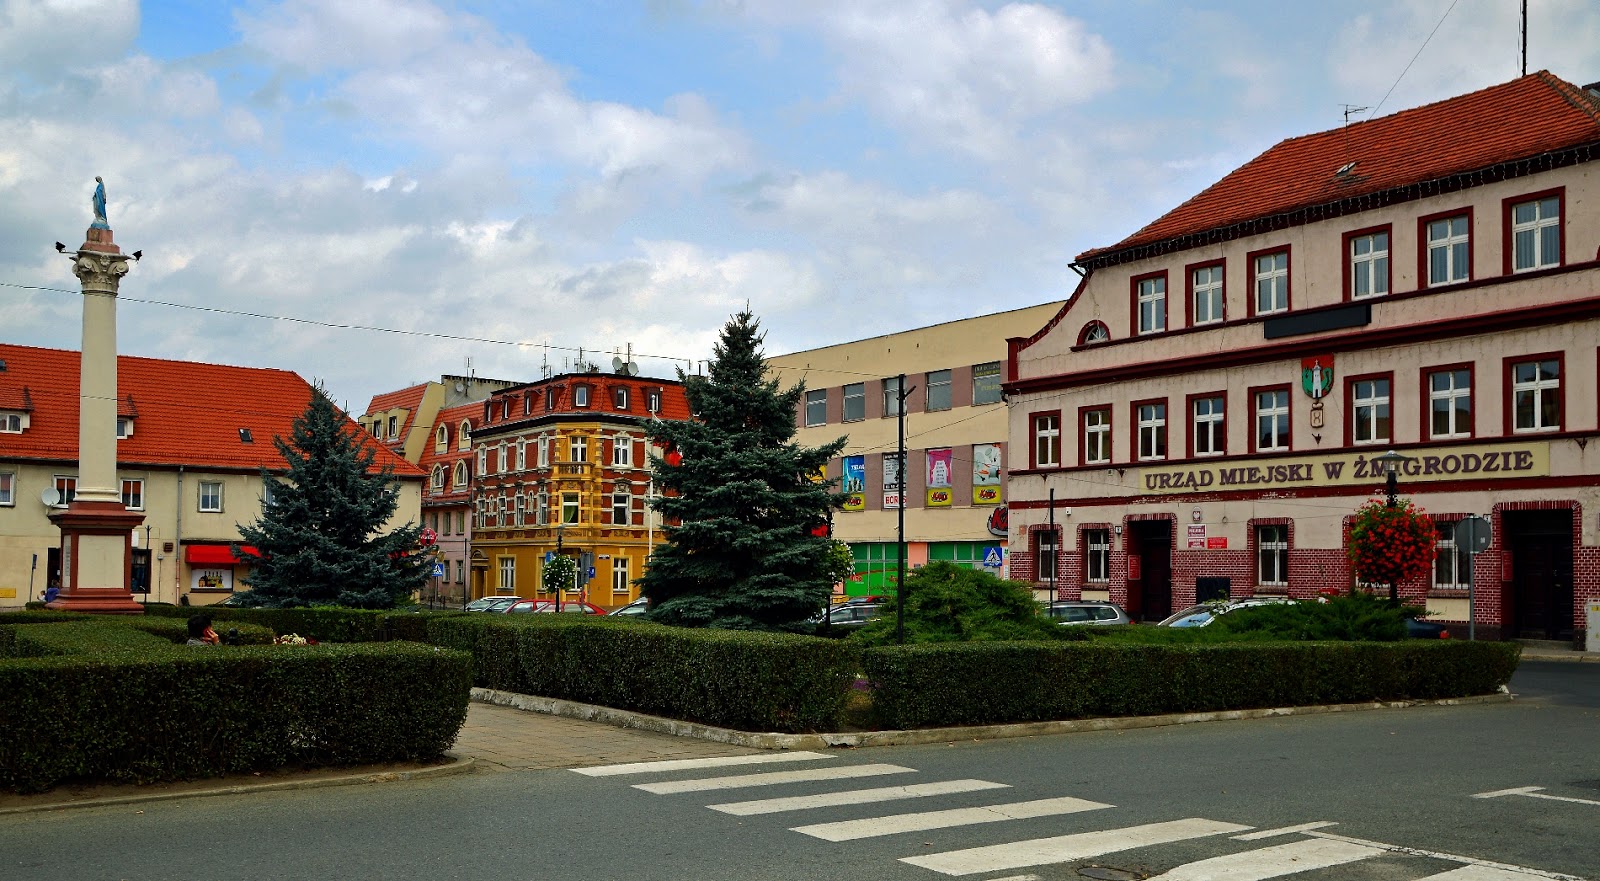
[853, 797]
[1536, 792]
[1065, 848]
[1524, 871]
[685, 764]
[1286, 830]
[1272, 862]
[1017, 878]
[872, 827]
[1477, 873]
[771, 778]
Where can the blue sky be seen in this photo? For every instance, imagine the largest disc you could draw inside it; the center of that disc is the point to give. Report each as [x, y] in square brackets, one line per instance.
[600, 174]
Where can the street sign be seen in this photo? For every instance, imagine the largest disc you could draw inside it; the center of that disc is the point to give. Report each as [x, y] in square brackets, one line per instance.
[549, 555]
[591, 572]
[1473, 534]
[991, 558]
[438, 570]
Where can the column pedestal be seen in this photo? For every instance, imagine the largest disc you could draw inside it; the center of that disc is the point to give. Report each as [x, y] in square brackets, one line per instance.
[97, 558]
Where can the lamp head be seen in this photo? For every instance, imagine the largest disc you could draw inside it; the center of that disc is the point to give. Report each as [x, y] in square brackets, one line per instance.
[1391, 461]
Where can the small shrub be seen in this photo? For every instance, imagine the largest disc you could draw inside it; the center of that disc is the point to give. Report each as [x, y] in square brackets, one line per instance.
[950, 603]
[1352, 617]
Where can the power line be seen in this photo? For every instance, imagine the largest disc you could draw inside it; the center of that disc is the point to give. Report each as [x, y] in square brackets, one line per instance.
[1413, 60]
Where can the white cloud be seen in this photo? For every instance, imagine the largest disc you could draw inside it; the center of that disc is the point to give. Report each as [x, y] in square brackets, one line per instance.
[47, 37]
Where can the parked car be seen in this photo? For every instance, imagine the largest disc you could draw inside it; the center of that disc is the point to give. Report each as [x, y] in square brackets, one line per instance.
[633, 609]
[578, 607]
[492, 604]
[845, 615]
[1086, 612]
[1419, 629]
[1205, 613]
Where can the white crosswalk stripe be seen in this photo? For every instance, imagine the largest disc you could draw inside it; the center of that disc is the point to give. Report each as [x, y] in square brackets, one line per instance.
[690, 764]
[1273, 862]
[849, 830]
[708, 783]
[1479, 873]
[1066, 848]
[853, 797]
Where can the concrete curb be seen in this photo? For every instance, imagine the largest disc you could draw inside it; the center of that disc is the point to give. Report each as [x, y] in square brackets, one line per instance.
[458, 765]
[773, 740]
[1572, 658]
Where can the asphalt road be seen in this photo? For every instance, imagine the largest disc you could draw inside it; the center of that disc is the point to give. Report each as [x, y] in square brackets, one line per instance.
[1395, 788]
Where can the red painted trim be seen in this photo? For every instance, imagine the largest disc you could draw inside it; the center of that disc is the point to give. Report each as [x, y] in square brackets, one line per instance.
[1507, 392]
[1133, 302]
[1189, 416]
[1083, 333]
[1422, 246]
[1506, 204]
[1288, 279]
[1350, 408]
[1254, 427]
[1041, 333]
[1033, 438]
[1188, 290]
[1083, 446]
[1349, 261]
[1446, 328]
[1135, 451]
[1426, 374]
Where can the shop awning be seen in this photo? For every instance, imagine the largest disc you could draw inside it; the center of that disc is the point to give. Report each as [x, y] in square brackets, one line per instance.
[214, 555]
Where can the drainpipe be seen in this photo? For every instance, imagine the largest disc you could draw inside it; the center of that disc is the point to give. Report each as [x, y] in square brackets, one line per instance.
[177, 546]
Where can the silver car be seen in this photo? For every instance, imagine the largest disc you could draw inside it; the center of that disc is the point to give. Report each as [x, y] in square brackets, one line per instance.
[1086, 612]
[1205, 613]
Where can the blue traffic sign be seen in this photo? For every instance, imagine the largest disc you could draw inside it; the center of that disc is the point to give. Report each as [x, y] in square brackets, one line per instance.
[438, 570]
[591, 571]
[549, 555]
[991, 558]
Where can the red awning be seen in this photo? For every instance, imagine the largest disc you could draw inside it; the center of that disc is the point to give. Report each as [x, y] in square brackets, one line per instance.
[214, 555]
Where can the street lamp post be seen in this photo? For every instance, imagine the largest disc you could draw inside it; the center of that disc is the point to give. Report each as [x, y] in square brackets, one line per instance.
[1392, 463]
[555, 592]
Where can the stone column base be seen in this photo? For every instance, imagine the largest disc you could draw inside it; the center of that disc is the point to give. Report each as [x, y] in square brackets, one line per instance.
[97, 558]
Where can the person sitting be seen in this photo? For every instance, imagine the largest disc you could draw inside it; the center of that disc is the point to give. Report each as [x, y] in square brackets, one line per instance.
[200, 632]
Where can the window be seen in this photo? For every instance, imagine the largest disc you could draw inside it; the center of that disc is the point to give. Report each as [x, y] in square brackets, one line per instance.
[1535, 233]
[1368, 270]
[508, 575]
[1450, 403]
[1097, 562]
[1210, 426]
[1272, 556]
[1206, 300]
[441, 439]
[8, 488]
[11, 423]
[622, 506]
[652, 400]
[619, 398]
[569, 507]
[1448, 241]
[124, 427]
[1152, 429]
[503, 460]
[544, 451]
[939, 390]
[527, 404]
[1094, 332]
[620, 581]
[622, 451]
[1096, 436]
[986, 383]
[464, 436]
[1047, 440]
[66, 488]
[1270, 280]
[133, 495]
[891, 396]
[549, 398]
[394, 427]
[522, 454]
[580, 396]
[461, 572]
[483, 460]
[1272, 420]
[578, 448]
[1451, 565]
[817, 407]
[855, 402]
[461, 475]
[211, 496]
[542, 513]
[1536, 395]
[1369, 411]
[519, 507]
[437, 481]
[1044, 551]
[1150, 303]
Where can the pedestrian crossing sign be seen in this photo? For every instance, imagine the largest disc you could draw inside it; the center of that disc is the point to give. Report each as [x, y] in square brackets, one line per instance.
[991, 558]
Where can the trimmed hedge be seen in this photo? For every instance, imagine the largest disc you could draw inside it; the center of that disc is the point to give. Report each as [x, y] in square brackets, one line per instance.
[323, 624]
[736, 679]
[933, 685]
[114, 699]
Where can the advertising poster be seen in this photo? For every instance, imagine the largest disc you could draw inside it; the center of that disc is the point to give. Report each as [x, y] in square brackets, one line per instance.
[211, 579]
[986, 487]
[891, 480]
[938, 477]
[855, 483]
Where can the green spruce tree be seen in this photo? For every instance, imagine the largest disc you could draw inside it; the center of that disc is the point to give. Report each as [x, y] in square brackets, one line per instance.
[742, 503]
[319, 538]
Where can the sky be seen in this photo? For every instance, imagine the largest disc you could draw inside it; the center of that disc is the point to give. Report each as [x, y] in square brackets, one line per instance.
[533, 178]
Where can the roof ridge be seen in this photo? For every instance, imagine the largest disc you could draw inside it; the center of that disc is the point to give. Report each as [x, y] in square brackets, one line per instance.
[1580, 98]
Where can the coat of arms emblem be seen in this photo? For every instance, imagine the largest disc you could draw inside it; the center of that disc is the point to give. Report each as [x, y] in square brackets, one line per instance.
[1316, 376]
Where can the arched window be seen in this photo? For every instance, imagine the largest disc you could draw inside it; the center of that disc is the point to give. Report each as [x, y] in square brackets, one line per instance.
[461, 475]
[438, 478]
[464, 436]
[441, 439]
[1093, 332]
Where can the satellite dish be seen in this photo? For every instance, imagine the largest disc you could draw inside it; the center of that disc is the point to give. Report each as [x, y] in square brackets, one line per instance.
[51, 497]
[619, 366]
[632, 368]
[461, 387]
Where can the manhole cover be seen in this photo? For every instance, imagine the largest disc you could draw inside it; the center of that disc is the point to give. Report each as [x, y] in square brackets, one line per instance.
[1105, 873]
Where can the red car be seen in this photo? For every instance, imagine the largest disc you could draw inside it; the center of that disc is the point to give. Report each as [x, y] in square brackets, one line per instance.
[577, 607]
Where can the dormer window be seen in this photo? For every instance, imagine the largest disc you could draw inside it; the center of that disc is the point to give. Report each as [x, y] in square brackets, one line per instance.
[652, 400]
[441, 439]
[394, 427]
[619, 398]
[124, 427]
[549, 398]
[464, 436]
[12, 423]
[580, 396]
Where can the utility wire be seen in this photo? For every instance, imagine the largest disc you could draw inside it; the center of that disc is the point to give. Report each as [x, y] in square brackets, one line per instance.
[1374, 114]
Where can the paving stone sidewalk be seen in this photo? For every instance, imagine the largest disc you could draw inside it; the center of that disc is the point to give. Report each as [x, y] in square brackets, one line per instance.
[507, 739]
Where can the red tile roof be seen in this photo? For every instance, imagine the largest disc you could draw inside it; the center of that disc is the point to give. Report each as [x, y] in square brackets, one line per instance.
[187, 413]
[1536, 114]
[451, 416]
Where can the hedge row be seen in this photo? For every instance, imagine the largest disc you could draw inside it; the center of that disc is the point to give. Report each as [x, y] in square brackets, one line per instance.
[321, 624]
[749, 681]
[115, 699]
[934, 685]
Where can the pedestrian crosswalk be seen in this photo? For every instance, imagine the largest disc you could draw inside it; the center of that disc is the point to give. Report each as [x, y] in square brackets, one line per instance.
[1093, 830]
